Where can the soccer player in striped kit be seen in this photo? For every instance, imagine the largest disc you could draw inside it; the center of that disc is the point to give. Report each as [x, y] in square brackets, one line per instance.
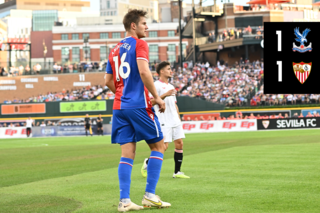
[134, 119]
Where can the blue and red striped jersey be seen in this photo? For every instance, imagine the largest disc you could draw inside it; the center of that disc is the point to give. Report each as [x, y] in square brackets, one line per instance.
[130, 90]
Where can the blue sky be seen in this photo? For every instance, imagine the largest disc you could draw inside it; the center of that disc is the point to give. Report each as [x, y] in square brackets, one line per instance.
[95, 4]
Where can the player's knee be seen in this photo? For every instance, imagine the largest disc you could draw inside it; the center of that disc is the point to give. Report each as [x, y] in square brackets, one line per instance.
[179, 144]
[166, 145]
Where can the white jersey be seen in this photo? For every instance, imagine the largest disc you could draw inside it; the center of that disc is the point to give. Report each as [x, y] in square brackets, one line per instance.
[170, 117]
[29, 123]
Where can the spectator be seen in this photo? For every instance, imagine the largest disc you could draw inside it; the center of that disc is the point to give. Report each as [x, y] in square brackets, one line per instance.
[55, 68]
[38, 68]
[20, 70]
[27, 70]
[42, 124]
[309, 115]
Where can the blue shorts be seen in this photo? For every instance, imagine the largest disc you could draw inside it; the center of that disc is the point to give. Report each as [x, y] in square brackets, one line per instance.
[133, 125]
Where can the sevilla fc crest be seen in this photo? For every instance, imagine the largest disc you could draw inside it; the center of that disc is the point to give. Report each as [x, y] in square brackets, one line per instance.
[302, 71]
[265, 124]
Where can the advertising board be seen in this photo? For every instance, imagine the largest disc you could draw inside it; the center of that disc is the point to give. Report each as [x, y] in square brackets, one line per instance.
[219, 126]
[82, 106]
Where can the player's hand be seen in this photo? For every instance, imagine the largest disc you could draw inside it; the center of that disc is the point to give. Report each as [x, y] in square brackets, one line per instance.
[162, 105]
[171, 92]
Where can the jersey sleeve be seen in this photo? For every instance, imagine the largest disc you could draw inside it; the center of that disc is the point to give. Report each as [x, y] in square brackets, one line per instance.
[142, 50]
[109, 68]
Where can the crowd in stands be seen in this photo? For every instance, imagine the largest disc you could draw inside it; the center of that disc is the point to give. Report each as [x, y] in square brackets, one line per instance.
[238, 84]
[260, 99]
[85, 93]
[239, 116]
[235, 33]
[232, 85]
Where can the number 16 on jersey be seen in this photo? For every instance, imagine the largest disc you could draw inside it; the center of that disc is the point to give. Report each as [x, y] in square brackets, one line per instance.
[119, 69]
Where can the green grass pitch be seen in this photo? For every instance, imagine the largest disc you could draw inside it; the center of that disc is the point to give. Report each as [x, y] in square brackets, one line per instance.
[274, 171]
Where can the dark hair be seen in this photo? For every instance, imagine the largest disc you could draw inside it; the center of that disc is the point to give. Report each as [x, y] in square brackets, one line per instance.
[133, 16]
[162, 65]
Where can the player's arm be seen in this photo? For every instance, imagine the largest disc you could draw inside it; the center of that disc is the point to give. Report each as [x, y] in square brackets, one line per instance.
[163, 96]
[178, 111]
[145, 74]
[109, 78]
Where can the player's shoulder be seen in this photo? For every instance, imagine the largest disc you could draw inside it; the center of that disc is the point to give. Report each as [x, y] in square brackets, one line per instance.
[140, 42]
[157, 84]
[170, 85]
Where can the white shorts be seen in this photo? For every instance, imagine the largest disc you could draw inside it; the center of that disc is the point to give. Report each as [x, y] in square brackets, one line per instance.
[172, 133]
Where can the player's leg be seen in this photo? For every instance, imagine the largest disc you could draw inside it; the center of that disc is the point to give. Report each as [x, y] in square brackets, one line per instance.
[28, 132]
[147, 127]
[167, 133]
[154, 168]
[178, 134]
[86, 128]
[123, 133]
[90, 130]
[98, 130]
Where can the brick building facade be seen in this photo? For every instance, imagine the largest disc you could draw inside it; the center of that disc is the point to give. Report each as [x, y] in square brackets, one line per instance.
[68, 42]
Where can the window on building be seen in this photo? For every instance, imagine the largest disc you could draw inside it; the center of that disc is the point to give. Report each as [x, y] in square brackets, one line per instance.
[111, 13]
[103, 53]
[153, 52]
[64, 36]
[171, 47]
[153, 58]
[86, 53]
[171, 58]
[104, 35]
[75, 36]
[125, 34]
[84, 35]
[153, 48]
[65, 54]
[116, 35]
[43, 20]
[108, 4]
[107, 13]
[101, 14]
[153, 34]
[75, 54]
[171, 33]
[115, 13]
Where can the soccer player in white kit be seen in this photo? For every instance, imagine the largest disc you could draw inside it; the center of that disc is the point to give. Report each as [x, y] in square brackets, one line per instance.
[29, 123]
[170, 122]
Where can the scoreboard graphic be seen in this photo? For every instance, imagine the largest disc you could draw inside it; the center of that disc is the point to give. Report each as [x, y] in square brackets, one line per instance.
[291, 52]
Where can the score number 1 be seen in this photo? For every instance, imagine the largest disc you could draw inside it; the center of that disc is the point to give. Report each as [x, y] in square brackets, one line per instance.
[279, 63]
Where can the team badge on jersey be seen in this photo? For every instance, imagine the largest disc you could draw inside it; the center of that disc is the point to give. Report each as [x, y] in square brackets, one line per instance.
[302, 71]
[301, 38]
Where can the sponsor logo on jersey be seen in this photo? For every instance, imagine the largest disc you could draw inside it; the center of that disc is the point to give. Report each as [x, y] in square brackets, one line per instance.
[302, 71]
[301, 38]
